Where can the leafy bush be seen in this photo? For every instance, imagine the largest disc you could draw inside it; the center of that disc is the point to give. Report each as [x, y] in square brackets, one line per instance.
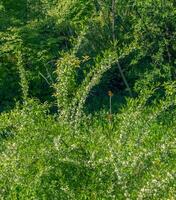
[130, 158]
[63, 51]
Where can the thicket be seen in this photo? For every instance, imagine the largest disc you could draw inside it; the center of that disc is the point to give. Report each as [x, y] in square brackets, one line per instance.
[58, 60]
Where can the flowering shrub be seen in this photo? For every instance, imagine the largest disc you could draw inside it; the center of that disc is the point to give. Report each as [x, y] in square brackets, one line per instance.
[70, 45]
[131, 158]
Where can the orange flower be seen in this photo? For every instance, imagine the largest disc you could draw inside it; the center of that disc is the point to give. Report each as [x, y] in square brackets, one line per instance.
[110, 93]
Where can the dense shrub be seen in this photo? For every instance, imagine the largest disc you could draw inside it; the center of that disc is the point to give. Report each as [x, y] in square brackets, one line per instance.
[132, 157]
[64, 53]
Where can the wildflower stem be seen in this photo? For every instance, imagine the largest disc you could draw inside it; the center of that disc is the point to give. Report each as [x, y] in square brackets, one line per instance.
[110, 104]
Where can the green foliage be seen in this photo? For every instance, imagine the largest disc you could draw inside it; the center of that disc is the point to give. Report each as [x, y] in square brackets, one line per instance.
[46, 28]
[61, 53]
[22, 73]
[133, 157]
[66, 85]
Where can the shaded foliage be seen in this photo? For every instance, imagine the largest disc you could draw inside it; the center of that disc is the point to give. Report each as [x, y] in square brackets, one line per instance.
[46, 28]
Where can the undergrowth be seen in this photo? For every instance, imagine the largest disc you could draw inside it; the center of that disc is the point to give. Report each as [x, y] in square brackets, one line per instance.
[131, 158]
[80, 145]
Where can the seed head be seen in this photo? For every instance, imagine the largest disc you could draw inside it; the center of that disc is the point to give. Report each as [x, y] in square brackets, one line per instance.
[110, 93]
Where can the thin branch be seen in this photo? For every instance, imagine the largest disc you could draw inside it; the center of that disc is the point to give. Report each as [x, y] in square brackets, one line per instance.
[167, 48]
[114, 39]
[44, 78]
[49, 75]
[124, 79]
[113, 20]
